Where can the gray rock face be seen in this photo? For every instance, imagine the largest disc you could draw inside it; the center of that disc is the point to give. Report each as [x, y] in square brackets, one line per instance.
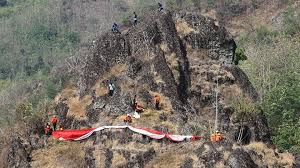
[208, 154]
[19, 153]
[240, 159]
[207, 35]
[140, 160]
[188, 163]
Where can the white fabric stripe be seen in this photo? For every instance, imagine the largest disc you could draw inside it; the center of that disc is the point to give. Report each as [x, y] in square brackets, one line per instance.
[144, 132]
[177, 138]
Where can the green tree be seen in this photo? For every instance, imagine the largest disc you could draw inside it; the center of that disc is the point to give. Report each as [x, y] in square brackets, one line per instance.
[281, 106]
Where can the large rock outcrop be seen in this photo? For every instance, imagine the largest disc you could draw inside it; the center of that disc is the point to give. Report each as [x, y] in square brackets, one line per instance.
[180, 56]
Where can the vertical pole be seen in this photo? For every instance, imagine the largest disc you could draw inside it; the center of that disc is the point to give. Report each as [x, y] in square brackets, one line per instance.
[216, 105]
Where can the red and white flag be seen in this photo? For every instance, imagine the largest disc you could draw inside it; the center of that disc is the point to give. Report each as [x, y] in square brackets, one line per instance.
[86, 133]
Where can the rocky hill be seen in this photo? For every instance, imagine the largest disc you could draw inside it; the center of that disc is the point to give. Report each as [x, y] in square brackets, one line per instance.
[183, 57]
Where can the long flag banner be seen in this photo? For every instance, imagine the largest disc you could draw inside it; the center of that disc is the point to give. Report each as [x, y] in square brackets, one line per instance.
[82, 134]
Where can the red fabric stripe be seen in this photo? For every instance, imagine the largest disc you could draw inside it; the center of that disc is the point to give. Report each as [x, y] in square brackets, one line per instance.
[195, 138]
[152, 131]
[71, 134]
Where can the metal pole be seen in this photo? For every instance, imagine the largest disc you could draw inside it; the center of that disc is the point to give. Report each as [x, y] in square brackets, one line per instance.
[216, 105]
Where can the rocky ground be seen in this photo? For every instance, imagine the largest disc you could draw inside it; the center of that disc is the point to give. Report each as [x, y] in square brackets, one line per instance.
[180, 57]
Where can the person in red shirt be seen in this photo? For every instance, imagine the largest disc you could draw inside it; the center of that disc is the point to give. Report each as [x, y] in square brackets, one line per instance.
[54, 121]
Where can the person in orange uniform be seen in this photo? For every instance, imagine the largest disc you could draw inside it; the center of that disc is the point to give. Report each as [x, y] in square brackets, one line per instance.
[54, 121]
[128, 119]
[138, 108]
[157, 101]
[216, 137]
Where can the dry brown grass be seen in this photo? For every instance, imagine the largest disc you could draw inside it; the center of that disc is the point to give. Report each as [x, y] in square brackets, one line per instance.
[67, 92]
[228, 93]
[99, 155]
[59, 155]
[118, 160]
[183, 28]
[226, 155]
[269, 157]
[77, 106]
[220, 165]
[165, 48]
[196, 55]
[167, 160]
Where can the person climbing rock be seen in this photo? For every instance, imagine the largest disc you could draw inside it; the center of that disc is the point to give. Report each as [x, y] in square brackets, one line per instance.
[157, 102]
[139, 108]
[160, 7]
[94, 97]
[54, 121]
[127, 118]
[216, 137]
[115, 28]
[111, 89]
[48, 130]
[135, 20]
[134, 102]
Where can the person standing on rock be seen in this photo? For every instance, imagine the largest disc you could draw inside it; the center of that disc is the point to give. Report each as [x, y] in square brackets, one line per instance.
[134, 102]
[111, 89]
[115, 28]
[160, 7]
[135, 20]
[94, 96]
[157, 102]
[48, 132]
[54, 121]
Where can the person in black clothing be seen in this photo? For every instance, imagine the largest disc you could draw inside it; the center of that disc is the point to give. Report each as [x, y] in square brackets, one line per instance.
[134, 19]
[133, 103]
[160, 7]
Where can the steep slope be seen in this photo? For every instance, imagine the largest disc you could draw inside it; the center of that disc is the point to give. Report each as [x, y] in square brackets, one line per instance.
[182, 57]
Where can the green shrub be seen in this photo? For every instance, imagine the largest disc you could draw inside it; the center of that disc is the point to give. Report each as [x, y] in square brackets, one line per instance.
[239, 55]
[254, 4]
[72, 37]
[263, 34]
[291, 21]
[243, 107]
[24, 109]
[51, 89]
[211, 3]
